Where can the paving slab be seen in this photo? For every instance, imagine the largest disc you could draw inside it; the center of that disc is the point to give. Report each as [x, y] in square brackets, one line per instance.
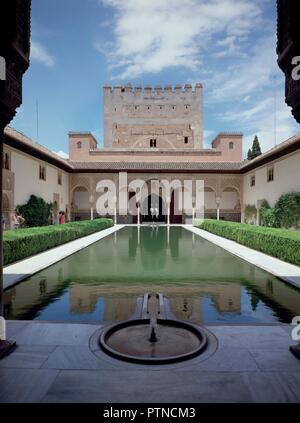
[260, 337]
[275, 359]
[151, 387]
[273, 387]
[228, 359]
[27, 357]
[76, 358]
[13, 327]
[55, 334]
[25, 385]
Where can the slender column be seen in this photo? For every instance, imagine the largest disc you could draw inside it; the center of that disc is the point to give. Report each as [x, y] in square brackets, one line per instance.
[138, 216]
[92, 200]
[218, 201]
[168, 215]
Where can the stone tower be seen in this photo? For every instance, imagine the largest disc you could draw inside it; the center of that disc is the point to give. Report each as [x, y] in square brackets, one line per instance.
[153, 118]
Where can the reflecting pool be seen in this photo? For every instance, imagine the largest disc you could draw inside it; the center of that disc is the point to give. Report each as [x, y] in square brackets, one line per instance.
[203, 282]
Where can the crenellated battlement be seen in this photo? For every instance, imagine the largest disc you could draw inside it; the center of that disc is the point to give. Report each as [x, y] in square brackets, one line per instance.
[147, 89]
[162, 116]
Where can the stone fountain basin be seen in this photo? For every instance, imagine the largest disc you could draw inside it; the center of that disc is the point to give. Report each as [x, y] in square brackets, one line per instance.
[177, 341]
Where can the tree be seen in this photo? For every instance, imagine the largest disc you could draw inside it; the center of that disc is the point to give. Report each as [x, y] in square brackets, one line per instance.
[255, 151]
[249, 155]
[36, 212]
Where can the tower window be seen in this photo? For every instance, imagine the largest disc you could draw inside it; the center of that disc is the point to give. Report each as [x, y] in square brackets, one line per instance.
[153, 143]
[252, 181]
[79, 145]
[186, 140]
[231, 146]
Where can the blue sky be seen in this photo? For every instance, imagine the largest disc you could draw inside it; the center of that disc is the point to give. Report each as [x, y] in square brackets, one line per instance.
[227, 45]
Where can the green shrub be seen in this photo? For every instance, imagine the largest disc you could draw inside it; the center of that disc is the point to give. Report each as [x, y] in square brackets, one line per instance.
[23, 243]
[280, 243]
[36, 212]
[285, 213]
[267, 215]
[287, 210]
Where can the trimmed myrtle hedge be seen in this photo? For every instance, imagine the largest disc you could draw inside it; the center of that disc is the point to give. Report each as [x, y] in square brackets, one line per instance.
[22, 243]
[280, 243]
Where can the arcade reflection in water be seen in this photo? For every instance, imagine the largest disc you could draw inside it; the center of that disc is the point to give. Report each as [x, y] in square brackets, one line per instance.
[103, 282]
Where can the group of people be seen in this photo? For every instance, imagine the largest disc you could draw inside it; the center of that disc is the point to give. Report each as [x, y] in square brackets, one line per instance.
[16, 220]
[154, 212]
[61, 218]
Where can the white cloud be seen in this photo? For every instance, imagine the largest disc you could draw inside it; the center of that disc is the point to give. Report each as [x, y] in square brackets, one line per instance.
[61, 154]
[151, 36]
[230, 45]
[40, 54]
[272, 126]
[254, 72]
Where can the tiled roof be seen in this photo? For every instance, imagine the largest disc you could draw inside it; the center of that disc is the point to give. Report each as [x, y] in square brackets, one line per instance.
[291, 144]
[27, 145]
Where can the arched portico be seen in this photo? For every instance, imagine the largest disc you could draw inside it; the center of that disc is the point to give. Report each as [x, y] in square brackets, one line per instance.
[230, 204]
[80, 203]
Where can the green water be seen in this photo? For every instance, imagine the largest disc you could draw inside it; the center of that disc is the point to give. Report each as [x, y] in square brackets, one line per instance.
[203, 282]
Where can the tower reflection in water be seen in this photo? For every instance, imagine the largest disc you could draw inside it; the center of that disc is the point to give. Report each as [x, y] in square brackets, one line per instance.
[103, 282]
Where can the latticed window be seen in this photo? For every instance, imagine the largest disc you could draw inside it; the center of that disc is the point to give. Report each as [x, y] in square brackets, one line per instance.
[59, 178]
[42, 173]
[79, 145]
[231, 146]
[6, 162]
[270, 174]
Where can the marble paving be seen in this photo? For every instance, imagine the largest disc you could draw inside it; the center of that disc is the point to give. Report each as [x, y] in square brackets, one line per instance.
[53, 363]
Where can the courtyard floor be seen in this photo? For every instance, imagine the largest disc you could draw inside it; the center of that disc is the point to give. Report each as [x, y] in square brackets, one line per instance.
[61, 363]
